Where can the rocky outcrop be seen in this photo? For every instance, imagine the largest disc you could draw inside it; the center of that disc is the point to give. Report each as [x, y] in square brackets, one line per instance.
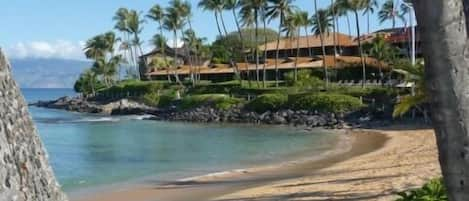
[238, 115]
[77, 104]
[25, 174]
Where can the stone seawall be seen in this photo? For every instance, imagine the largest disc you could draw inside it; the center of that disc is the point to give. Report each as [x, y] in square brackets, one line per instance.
[25, 174]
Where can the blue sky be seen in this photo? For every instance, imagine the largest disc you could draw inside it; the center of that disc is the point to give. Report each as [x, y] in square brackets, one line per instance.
[58, 28]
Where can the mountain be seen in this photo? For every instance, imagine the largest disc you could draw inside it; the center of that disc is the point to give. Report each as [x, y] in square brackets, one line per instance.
[47, 73]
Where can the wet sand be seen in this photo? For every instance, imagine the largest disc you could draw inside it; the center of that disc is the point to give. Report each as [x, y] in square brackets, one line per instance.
[215, 186]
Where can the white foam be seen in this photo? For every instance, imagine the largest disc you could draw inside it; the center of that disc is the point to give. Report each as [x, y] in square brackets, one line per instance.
[99, 119]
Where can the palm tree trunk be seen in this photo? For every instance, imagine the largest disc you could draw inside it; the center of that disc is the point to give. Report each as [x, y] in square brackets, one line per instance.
[360, 48]
[264, 72]
[189, 54]
[349, 25]
[256, 51]
[277, 52]
[368, 21]
[297, 53]
[189, 58]
[175, 65]
[218, 24]
[321, 37]
[334, 28]
[310, 53]
[242, 46]
[445, 41]
[223, 23]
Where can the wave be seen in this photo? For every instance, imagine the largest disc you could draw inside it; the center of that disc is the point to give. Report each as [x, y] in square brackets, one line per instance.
[141, 117]
[80, 120]
[96, 120]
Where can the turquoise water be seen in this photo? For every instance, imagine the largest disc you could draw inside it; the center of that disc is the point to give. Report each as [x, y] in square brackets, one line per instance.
[88, 150]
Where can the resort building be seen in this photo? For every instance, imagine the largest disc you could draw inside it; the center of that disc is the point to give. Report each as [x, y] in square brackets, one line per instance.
[308, 49]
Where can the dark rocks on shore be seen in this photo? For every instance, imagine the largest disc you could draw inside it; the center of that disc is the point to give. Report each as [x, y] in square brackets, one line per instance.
[207, 114]
[77, 104]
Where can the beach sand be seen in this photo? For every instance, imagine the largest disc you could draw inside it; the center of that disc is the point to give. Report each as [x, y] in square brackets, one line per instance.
[378, 164]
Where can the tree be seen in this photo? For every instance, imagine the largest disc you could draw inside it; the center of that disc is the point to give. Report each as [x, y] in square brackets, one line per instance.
[174, 22]
[134, 23]
[217, 7]
[184, 8]
[190, 40]
[370, 6]
[342, 8]
[101, 49]
[87, 83]
[157, 14]
[159, 41]
[253, 10]
[122, 26]
[232, 5]
[293, 28]
[356, 6]
[95, 47]
[444, 33]
[321, 25]
[412, 74]
[388, 12]
[279, 9]
[382, 51]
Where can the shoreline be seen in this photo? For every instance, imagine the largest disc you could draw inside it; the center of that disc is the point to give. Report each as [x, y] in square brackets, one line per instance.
[216, 184]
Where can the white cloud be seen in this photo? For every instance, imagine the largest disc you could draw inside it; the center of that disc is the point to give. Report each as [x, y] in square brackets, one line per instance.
[43, 49]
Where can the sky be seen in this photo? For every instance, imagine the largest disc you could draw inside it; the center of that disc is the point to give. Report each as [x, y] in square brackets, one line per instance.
[58, 28]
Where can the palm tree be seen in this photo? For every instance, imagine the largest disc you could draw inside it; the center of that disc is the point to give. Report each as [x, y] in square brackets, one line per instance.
[264, 17]
[184, 8]
[279, 9]
[356, 6]
[157, 14]
[331, 12]
[253, 8]
[412, 74]
[216, 6]
[159, 41]
[292, 27]
[134, 23]
[174, 22]
[190, 41]
[370, 6]
[95, 47]
[388, 12]
[382, 51]
[322, 22]
[107, 68]
[342, 8]
[231, 5]
[122, 26]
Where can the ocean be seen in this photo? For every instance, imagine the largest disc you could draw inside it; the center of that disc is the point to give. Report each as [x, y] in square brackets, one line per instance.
[88, 151]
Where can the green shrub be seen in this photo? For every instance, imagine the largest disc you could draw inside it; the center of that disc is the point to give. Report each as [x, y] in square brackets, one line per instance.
[432, 191]
[165, 100]
[325, 102]
[305, 82]
[268, 102]
[219, 101]
[151, 99]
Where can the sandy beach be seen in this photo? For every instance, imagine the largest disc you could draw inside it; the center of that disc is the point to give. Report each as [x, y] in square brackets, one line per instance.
[378, 164]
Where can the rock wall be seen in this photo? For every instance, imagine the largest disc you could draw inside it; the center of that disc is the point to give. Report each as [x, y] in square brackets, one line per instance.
[25, 174]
